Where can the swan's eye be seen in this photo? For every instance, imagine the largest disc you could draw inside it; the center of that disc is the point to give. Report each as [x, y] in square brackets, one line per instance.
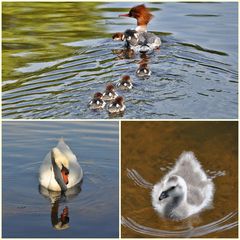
[171, 188]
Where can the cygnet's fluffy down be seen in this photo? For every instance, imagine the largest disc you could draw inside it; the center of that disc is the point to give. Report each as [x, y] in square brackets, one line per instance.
[184, 191]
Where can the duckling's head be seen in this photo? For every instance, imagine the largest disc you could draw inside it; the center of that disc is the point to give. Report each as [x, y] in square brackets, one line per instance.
[98, 95]
[119, 36]
[174, 187]
[126, 79]
[119, 101]
[143, 70]
[110, 88]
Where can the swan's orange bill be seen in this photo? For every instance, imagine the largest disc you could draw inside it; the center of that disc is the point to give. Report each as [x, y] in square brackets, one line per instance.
[65, 175]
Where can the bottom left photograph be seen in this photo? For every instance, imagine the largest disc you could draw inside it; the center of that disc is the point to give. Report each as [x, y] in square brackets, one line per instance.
[60, 179]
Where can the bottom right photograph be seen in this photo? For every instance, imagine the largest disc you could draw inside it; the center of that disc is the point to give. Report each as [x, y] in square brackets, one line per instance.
[179, 179]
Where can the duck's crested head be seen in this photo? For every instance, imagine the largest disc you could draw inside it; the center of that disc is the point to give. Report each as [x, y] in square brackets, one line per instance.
[126, 78]
[110, 87]
[98, 95]
[118, 36]
[141, 13]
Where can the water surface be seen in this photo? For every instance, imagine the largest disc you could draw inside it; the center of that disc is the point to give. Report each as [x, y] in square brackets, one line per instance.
[32, 212]
[56, 55]
[149, 151]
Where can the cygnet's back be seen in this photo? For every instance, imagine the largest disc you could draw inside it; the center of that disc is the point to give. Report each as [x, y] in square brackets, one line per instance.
[196, 195]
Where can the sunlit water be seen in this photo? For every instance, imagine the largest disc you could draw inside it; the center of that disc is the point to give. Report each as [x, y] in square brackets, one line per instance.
[149, 153]
[30, 211]
[56, 55]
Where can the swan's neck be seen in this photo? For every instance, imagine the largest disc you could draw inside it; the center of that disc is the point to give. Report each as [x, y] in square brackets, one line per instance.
[173, 204]
[58, 175]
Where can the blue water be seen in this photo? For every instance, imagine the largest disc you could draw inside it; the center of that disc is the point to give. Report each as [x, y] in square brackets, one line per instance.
[93, 209]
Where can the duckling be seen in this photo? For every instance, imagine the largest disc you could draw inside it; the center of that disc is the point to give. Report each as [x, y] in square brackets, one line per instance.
[119, 36]
[125, 83]
[117, 106]
[97, 101]
[109, 93]
[184, 191]
[143, 70]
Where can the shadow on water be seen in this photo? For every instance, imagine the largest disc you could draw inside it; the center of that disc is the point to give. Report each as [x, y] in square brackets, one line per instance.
[61, 64]
[57, 199]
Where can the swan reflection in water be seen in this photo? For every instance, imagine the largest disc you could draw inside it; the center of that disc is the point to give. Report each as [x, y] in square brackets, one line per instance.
[60, 219]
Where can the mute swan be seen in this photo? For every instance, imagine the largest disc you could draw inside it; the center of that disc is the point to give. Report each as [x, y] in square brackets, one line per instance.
[184, 191]
[60, 169]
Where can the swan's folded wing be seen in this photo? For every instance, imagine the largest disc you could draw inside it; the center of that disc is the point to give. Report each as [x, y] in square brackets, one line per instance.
[190, 169]
[195, 195]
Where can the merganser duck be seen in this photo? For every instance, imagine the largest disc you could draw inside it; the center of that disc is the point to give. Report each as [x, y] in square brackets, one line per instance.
[143, 70]
[109, 93]
[97, 102]
[148, 41]
[117, 106]
[184, 191]
[60, 169]
[125, 83]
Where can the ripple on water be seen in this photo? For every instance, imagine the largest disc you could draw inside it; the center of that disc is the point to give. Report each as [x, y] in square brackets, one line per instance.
[184, 77]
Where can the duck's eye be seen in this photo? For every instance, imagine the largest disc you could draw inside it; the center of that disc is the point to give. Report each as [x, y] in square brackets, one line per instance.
[129, 38]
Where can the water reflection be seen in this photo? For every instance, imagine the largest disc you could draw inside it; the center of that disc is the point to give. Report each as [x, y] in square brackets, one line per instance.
[60, 219]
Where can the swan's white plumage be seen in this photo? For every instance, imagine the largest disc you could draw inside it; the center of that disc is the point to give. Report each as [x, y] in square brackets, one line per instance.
[63, 154]
[195, 192]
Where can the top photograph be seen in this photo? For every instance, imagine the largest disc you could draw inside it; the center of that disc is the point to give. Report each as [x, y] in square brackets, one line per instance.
[120, 60]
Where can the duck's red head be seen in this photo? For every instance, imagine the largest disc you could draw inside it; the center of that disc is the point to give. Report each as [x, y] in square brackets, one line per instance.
[141, 13]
